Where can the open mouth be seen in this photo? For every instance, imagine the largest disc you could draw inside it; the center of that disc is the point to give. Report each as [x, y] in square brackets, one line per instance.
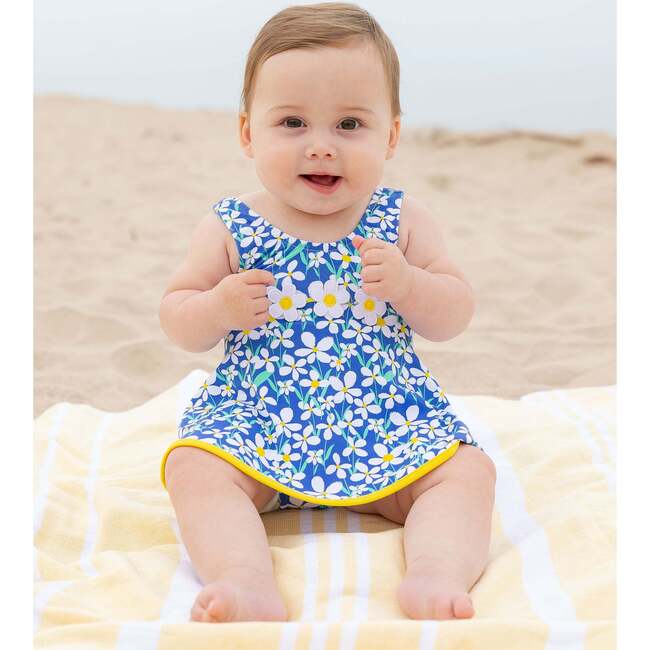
[322, 182]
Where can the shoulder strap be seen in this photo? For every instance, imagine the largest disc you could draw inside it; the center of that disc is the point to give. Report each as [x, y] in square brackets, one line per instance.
[382, 218]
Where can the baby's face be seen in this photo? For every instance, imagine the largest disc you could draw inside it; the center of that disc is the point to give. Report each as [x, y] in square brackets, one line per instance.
[324, 110]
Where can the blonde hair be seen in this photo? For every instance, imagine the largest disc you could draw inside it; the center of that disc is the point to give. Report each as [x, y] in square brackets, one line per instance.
[320, 25]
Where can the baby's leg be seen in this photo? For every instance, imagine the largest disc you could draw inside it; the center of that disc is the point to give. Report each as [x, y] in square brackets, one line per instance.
[447, 536]
[217, 509]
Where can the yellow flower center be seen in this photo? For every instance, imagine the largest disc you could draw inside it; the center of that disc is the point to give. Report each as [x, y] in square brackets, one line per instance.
[369, 304]
[330, 300]
[314, 383]
[380, 321]
[285, 302]
[285, 458]
[387, 458]
[346, 258]
[260, 451]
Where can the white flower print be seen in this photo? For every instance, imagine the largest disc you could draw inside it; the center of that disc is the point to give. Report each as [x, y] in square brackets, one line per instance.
[330, 297]
[374, 350]
[329, 428]
[259, 450]
[248, 258]
[322, 491]
[305, 438]
[287, 301]
[296, 368]
[367, 308]
[292, 477]
[385, 457]
[358, 332]
[366, 405]
[286, 387]
[332, 324]
[244, 336]
[284, 424]
[287, 456]
[345, 389]
[316, 258]
[338, 466]
[343, 255]
[373, 376]
[314, 349]
[309, 409]
[408, 424]
[264, 398]
[355, 446]
[348, 423]
[388, 325]
[328, 396]
[315, 456]
[291, 272]
[266, 361]
[282, 337]
[364, 473]
[392, 397]
[207, 388]
[314, 382]
[253, 234]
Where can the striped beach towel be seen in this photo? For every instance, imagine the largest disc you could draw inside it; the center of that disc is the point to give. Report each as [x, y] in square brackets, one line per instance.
[112, 573]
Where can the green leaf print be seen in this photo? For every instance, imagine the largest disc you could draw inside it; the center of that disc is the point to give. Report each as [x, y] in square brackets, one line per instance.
[328, 453]
[294, 252]
[260, 378]
[389, 376]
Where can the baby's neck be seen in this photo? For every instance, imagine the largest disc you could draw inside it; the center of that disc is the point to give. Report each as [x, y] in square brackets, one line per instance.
[303, 225]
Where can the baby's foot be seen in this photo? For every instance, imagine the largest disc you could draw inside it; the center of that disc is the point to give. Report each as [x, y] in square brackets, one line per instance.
[226, 601]
[427, 597]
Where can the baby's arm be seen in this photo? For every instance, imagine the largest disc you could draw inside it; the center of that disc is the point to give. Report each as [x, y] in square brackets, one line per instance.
[185, 310]
[440, 303]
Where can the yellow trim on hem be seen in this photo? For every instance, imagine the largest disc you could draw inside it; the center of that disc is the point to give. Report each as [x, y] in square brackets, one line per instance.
[272, 483]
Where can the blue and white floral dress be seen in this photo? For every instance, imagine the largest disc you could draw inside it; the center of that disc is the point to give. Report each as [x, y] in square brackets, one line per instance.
[327, 402]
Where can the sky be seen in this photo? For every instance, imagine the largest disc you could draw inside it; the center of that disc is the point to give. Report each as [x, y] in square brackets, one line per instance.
[465, 65]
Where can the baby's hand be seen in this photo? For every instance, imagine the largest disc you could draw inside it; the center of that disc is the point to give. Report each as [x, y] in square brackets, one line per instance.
[239, 301]
[385, 274]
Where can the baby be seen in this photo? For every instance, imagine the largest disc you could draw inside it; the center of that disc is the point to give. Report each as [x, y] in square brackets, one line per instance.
[316, 283]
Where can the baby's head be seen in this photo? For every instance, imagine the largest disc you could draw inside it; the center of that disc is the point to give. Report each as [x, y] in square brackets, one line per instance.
[321, 94]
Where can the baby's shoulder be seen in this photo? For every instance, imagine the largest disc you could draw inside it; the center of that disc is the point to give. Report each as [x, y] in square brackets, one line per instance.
[417, 229]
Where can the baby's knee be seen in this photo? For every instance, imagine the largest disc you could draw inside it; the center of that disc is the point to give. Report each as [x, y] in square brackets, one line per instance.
[189, 469]
[187, 466]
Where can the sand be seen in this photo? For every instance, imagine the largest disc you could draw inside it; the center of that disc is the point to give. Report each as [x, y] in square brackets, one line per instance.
[530, 218]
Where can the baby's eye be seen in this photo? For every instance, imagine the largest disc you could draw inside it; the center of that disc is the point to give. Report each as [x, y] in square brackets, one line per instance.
[293, 120]
[350, 120]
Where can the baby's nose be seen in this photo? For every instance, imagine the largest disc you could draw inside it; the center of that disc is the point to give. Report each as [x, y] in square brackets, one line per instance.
[321, 150]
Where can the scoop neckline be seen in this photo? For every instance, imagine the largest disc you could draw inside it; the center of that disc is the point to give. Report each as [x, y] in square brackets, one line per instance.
[368, 211]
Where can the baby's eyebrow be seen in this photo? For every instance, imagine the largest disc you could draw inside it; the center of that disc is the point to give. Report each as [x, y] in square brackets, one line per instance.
[362, 109]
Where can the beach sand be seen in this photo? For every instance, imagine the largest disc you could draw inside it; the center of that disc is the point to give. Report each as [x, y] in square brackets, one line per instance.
[530, 218]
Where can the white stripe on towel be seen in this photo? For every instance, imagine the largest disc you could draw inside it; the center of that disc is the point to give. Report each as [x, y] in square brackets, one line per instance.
[552, 406]
[350, 629]
[428, 635]
[41, 599]
[597, 420]
[46, 466]
[547, 598]
[184, 585]
[91, 532]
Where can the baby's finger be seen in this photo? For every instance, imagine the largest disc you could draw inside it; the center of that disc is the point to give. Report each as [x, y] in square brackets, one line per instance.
[259, 276]
[260, 305]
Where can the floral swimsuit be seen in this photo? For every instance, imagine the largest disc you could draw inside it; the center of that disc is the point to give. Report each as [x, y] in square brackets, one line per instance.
[327, 402]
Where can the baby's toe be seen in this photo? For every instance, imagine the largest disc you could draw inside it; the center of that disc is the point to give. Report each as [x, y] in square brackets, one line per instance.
[463, 607]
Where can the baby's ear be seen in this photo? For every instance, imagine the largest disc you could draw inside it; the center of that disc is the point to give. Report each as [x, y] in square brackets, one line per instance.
[245, 135]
